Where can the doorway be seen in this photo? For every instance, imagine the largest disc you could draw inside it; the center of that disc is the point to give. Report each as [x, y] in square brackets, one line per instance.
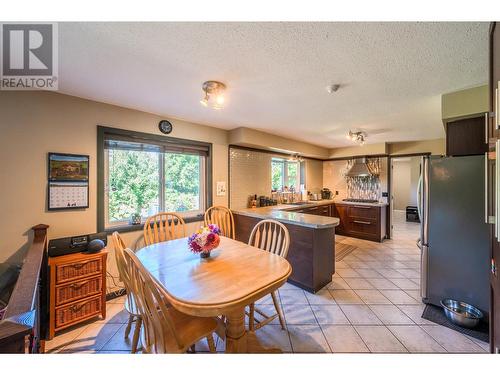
[405, 174]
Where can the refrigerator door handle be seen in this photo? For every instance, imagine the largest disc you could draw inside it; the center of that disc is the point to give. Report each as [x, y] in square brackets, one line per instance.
[419, 197]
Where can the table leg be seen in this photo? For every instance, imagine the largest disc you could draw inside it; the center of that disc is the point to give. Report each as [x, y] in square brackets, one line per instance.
[238, 340]
[236, 335]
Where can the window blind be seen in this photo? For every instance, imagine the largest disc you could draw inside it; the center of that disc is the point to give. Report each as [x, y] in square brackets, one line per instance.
[153, 144]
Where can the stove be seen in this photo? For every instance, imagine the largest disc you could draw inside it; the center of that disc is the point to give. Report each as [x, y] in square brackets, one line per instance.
[360, 200]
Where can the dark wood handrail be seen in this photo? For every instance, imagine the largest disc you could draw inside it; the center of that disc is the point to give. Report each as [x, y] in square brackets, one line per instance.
[20, 314]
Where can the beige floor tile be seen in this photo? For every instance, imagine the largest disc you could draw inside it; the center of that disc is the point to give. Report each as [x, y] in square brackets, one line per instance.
[62, 339]
[308, 339]
[404, 283]
[416, 340]
[415, 294]
[359, 283]
[343, 339]
[399, 297]
[299, 314]
[390, 314]
[372, 296]
[293, 297]
[269, 310]
[115, 314]
[94, 337]
[288, 286]
[369, 273]
[414, 312]
[390, 273]
[382, 284]
[338, 283]
[451, 340]
[347, 272]
[346, 297]
[409, 273]
[322, 297]
[266, 300]
[117, 300]
[360, 314]
[119, 342]
[380, 340]
[272, 336]
[341, 265]
[327, 314]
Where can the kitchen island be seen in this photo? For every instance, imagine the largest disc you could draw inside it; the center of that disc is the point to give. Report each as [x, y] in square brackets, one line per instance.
[312, 238]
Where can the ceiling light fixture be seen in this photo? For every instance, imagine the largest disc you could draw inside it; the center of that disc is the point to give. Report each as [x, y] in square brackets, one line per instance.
[214, 94]
[296, 158]
[358, 137]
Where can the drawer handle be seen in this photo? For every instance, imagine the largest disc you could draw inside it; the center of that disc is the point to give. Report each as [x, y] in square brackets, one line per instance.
[78, 285]
[79, 265]
[361, 222]
[76, 308]
[363, 207]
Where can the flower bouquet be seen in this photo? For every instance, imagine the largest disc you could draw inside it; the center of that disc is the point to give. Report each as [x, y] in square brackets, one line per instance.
[204, 240]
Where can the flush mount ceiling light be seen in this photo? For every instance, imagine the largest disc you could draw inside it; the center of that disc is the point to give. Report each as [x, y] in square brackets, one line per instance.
[214, 94]
[358, 137]
[296, 157]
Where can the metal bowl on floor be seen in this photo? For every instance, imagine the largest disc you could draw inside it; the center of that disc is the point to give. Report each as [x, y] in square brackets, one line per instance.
[461, 313]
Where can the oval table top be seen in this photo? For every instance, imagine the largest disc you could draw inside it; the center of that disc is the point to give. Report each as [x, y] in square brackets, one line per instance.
[235, 275]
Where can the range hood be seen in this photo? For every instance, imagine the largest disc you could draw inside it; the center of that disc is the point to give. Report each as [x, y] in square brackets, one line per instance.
[359, 169]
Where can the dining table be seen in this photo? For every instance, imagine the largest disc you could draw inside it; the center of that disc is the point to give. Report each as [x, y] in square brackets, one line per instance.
[234, 276]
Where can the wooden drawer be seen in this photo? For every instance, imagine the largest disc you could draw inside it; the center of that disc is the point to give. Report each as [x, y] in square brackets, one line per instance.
[78, 290]
[364, 226]
[77, 311]
[364, 212]
[75, 270]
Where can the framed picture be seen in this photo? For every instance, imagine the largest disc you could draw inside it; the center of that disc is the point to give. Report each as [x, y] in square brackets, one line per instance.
[68, 181]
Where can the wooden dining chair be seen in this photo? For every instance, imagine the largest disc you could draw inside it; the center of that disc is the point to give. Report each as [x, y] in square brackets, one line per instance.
[223, 218]
[271, 236]
[166, 330]
[163, 226]
[130, 305]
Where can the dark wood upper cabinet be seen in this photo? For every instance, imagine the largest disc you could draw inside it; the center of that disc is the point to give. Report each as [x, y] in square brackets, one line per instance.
[466, 137]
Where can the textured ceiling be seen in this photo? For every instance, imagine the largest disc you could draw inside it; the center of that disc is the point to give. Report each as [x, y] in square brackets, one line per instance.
[391, 74]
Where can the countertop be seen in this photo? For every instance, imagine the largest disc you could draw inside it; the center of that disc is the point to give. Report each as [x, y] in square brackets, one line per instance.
[283, 214]
[376, 204]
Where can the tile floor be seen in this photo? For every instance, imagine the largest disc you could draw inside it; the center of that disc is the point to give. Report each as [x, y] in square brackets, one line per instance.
[371, 305]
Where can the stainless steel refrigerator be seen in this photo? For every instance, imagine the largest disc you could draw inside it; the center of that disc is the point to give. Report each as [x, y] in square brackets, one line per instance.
[454, 237]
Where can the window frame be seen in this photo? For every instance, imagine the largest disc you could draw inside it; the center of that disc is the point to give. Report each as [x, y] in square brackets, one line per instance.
[205, 168]
[284, 168]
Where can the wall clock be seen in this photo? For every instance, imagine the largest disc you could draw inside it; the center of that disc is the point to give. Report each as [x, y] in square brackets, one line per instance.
[165, 127]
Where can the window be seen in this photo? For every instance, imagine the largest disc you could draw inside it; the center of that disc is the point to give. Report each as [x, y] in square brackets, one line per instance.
[146, 174]
[284, 173]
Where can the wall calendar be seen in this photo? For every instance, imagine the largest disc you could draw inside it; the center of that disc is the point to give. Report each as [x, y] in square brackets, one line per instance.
[68, 178]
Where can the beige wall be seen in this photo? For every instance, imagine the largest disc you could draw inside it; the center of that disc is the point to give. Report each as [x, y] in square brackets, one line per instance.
[434, 146]
[250, 174]
[405, 177]
[314, 175]
[367, 149]
[34, 123]
[465, 102]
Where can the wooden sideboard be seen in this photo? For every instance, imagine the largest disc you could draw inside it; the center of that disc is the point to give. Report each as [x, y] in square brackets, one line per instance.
[77, 289]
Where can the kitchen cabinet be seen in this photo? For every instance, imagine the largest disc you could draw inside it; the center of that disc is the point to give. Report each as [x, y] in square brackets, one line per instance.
[321, 210]
[467, 136]
[361, 221]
